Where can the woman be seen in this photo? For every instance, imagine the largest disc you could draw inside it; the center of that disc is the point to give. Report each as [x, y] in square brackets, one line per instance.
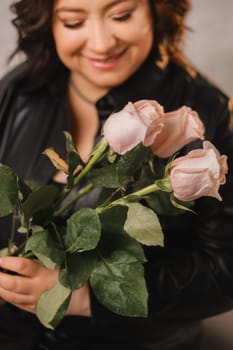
[83, 61]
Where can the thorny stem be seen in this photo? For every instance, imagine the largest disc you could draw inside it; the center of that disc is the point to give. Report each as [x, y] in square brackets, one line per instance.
[96, 156]
[162, 184]
[98, 153]
[56, 233]
[79, 194]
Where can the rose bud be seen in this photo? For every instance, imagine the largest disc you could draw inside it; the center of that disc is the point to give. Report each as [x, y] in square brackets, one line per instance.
[199, 173]
[180, 128]
[135, 123]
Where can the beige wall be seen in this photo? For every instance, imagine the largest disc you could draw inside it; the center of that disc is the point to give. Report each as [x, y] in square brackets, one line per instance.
[7, 35]
[210, 45]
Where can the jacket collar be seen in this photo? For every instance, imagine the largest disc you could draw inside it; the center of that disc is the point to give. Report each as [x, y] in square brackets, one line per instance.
[135, 88]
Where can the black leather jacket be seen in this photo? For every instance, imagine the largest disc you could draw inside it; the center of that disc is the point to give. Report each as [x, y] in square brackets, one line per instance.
[192, 276]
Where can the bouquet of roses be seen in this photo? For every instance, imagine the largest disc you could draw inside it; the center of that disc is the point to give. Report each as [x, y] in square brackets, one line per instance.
[140, 176]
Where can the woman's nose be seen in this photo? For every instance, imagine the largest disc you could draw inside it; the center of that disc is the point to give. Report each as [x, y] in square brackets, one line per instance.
[100, 39]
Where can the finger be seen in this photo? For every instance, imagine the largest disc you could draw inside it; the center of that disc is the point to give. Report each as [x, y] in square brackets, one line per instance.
[22, 266]
[17, 284]
[15, 298]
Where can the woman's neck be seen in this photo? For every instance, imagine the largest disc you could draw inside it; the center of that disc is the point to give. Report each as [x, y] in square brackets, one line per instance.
[84, 122]
[80, 95]
[85, 90]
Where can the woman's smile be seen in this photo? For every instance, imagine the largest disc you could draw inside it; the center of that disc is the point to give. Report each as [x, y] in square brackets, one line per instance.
[106, 63]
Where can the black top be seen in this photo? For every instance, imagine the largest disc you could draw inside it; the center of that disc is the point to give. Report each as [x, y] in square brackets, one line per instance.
[191, 277]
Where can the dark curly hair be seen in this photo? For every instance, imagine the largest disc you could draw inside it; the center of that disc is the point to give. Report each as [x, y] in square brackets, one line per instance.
[33, 23]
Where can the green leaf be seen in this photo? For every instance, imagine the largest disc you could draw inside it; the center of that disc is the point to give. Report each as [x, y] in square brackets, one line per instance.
[83, 231]
[70, 145]
[73, 161]
[78, 269]
[33, 185]
[122, 241]
[143, 225]
[113, 219]
[4, 252]
[24, 189]
[100, 149]
[131, 161]
[11, 249]
[118, 283]
[149, 173]
[186, 206]
[105, 177]
[111, 156]
[163, 203]
[39, 201]
[43, 246]
[115, 236]
[52, 305]
[120, 173]
[8, 190]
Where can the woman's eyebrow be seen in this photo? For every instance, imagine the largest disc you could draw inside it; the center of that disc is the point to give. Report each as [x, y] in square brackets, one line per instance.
[115, 2]
[74, 9]
[67, 9]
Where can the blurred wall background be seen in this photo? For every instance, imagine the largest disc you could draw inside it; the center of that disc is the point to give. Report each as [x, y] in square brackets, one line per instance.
[7, 36]
[210, 44]
[210, 47]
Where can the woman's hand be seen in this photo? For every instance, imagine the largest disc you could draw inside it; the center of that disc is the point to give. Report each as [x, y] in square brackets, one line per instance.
[24, 289]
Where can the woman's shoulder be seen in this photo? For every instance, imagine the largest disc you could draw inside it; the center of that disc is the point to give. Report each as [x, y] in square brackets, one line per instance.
[201, 83]
[19, 81]
[20, 92]
[13, 78]
[198, 89]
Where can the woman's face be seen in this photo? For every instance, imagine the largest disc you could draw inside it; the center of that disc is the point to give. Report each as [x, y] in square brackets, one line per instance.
[102, 42]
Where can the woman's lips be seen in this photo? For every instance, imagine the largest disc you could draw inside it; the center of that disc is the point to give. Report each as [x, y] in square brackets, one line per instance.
[106, 63]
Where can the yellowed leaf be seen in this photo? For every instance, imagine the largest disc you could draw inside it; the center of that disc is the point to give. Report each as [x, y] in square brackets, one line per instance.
[57, 161]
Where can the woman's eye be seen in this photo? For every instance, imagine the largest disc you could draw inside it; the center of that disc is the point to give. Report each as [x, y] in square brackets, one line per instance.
[123, 17]
[73, 25]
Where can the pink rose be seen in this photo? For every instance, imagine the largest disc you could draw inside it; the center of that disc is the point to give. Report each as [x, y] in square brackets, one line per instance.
[180, 128]
[199, 173]
[136, 122]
